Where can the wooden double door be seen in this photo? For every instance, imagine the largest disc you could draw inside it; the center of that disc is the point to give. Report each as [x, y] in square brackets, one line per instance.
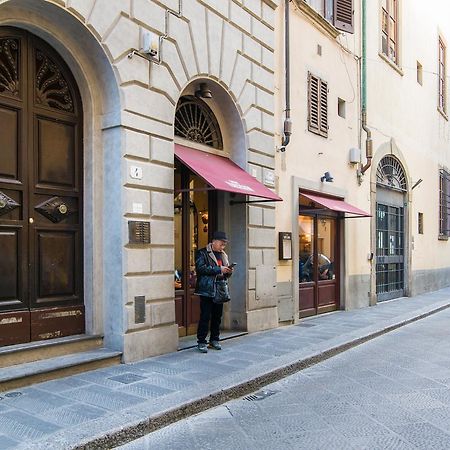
[41, 173]
[195, 216]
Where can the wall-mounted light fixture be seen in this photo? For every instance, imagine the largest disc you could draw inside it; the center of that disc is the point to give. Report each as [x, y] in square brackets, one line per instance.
[354, 156]
[148, 47]
[203, 91]
[326, 177]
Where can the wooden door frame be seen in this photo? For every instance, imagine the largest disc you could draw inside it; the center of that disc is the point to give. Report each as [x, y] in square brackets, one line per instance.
[189, 326]
[60, 320]
[317, 309]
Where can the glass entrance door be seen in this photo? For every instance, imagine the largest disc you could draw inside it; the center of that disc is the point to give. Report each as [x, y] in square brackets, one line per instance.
[194, 221]
[318, 283]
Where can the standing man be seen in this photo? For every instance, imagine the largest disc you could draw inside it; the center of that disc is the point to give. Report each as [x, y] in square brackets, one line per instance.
[211, 264]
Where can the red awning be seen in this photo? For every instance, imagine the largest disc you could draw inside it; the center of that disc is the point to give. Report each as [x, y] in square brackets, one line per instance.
[335, 204]
[222, 174]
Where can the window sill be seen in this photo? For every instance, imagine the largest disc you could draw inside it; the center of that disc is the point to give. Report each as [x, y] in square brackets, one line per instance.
[442, 113]
[317, 20]
[392, 64]
[442, 237]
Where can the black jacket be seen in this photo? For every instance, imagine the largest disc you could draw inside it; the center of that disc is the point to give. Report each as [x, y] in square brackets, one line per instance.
[207, 269]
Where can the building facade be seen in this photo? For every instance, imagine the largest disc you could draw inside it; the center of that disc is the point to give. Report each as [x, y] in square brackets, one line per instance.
[102, 102]
[364, 177]
[131, 129]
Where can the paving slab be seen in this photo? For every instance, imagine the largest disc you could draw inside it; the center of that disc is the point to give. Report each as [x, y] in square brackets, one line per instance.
[306, 410]
[128, 401]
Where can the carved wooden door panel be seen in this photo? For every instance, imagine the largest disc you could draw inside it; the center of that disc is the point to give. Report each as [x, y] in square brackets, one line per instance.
[40, 193]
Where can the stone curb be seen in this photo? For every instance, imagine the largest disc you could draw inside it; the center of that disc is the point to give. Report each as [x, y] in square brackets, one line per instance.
[138, 429]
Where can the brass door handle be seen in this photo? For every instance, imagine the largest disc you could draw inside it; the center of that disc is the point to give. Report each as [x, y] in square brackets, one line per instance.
[63, 208]
[31, 220]
[2, 204]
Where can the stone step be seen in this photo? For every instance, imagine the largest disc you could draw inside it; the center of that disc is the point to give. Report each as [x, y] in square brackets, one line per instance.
[38, 350]
[29, 373]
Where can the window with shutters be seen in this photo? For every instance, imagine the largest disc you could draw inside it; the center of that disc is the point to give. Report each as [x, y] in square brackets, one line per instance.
[442, 87]
[317, 105]
[389, 30]
[444, 204]
[338, 12]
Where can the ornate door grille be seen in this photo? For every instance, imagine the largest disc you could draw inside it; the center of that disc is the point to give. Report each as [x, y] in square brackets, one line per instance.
[195, 121]
[390, 174]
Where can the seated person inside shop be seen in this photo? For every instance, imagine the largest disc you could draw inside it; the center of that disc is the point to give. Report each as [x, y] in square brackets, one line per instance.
[306, 268]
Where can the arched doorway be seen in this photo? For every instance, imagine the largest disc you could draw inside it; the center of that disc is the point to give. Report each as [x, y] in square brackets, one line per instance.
[41, 193]
[195, 207]
[390, 229]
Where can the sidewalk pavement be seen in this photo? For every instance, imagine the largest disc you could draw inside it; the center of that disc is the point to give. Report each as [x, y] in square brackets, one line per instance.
[107, 407]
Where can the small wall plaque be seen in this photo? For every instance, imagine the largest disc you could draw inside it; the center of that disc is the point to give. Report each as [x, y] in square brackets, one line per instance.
[284, 245]
[139, 232]
[139, 309]
[136, 172]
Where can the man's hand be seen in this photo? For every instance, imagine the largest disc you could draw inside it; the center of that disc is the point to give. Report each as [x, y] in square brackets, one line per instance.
[226, 270]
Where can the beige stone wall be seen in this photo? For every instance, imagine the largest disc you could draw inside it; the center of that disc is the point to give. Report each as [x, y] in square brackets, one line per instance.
[308, 156]
[404, 120]
[404, 116]
[228, 42]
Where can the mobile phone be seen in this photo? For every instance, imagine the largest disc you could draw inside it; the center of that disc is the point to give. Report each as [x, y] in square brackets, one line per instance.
[232, 264]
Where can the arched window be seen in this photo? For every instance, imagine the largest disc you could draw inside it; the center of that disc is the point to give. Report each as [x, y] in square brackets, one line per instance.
[390, 174]
[195, 121]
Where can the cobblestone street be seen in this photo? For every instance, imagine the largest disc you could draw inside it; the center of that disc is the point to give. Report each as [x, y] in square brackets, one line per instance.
[390, 393]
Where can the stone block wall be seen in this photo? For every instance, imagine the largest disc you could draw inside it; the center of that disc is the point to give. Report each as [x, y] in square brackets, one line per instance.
[230, 43]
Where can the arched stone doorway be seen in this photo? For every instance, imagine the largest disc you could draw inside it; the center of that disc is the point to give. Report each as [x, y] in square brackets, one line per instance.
[41, 193]
[391, 218]
[195, 207]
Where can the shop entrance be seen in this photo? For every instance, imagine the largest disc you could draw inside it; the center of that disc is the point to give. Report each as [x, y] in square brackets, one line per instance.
[318, 250]
[41, 195]
[319, 225]
[195, 216]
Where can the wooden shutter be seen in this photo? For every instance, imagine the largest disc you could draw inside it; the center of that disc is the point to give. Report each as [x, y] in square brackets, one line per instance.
[323, 109]
[317, 105]
[313, 103]
[343, 15]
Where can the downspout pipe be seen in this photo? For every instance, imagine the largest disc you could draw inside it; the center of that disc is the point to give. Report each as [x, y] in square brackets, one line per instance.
[287, 127]
[369, 142]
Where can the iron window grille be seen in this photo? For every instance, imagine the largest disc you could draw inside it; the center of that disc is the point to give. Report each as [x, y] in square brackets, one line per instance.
[390, 174]
[444, 204]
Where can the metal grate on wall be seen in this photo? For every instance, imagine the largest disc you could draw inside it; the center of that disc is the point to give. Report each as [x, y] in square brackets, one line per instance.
[195, 121]
[390, 173]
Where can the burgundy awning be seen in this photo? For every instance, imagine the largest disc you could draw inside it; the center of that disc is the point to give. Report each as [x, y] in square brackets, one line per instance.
[223, 174]
[335, 204]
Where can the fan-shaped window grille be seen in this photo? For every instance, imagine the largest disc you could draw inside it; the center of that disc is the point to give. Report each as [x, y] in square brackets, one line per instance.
[390, 174]
[195, 121]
